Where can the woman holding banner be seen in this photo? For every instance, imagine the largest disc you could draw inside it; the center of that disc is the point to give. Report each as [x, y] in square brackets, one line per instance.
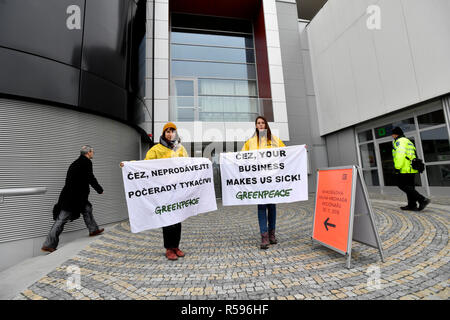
[264, 139]
[169, 146]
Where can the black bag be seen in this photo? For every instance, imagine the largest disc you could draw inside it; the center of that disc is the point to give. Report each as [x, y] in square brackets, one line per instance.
[417, 164]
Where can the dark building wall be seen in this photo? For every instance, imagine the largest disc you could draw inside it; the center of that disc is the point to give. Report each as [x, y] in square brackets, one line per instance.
[61, 88]
[91, 68]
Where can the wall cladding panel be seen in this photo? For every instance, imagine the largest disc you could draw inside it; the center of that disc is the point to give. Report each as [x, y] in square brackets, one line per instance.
[37, 145]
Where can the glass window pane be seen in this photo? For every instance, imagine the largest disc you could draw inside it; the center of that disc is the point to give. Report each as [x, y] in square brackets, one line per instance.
[368, 157]
[212, 53]
[227, 87]
[439, 175]
[240, 117]
[431, 119]
[212, 69]
[435, 145]
[211, 39]
[185, 101]
[365, 136]
[371, 177]
[185, 114]
[245, 88]
[211, 116]
[184, 87]
[385, 131]
[228, 108]
[228, 104]
[211, 104]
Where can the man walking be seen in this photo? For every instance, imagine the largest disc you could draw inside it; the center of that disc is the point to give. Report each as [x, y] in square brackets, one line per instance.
[74, 199]
[404, 152]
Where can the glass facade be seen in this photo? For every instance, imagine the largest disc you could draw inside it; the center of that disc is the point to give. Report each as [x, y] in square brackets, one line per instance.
[435, 144]
[427, 129]
[213, 69]
[368, 158]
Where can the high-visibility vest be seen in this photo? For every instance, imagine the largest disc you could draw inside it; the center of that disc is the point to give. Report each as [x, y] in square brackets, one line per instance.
[403, 152]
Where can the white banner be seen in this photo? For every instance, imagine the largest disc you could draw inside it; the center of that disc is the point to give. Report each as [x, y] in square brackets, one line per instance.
[264, 176]
[163, 192]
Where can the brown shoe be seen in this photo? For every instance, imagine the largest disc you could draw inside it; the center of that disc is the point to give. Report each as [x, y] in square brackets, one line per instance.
[47, 249]
[96, 232]
[178, 252]
[272, 238]
[171, 255]
[264, 240]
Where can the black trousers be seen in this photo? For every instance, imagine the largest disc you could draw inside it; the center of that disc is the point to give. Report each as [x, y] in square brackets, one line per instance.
[172, 236]
[406, 183]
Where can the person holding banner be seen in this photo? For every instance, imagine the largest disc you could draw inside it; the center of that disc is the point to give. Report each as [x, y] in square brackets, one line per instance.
[169, 146]
[263, 139]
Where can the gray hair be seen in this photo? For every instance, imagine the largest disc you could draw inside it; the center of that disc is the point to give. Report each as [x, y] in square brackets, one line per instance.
[85, 149]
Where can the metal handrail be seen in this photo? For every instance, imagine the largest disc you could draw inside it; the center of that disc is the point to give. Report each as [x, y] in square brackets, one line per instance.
[21, 192]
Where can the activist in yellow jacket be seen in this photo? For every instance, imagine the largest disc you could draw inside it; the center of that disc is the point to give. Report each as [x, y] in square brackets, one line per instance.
[264, 139]
[169, 146]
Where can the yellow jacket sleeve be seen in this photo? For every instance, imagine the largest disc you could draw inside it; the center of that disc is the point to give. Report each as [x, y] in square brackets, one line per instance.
[280, 143]
[151, 154]
[182, 152]
[246, 146]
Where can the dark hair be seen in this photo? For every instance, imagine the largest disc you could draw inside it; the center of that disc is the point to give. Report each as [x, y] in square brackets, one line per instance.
[269, 133]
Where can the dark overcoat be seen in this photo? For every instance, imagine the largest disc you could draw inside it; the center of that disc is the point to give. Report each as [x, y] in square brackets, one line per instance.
[75, 193]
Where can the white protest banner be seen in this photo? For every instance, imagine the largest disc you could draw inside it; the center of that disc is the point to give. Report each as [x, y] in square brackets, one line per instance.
[264, 176]
[163, 192]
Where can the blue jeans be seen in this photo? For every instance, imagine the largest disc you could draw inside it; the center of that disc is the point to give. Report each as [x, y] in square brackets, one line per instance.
[263, 217]
[52, 239]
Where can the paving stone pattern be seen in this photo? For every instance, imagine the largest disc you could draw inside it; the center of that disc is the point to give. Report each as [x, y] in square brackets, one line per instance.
[223, 260]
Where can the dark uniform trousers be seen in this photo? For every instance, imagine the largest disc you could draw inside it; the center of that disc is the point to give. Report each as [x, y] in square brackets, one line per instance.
[406, 183]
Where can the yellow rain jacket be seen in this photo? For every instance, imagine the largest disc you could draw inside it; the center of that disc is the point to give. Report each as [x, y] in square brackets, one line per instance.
[159, 152]
[403, 151]
[252, 143]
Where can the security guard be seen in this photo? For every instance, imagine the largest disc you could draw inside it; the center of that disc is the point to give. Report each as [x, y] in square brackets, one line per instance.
[403, 151]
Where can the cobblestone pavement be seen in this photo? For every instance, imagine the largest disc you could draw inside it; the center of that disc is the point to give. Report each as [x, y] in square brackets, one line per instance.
[223, 260]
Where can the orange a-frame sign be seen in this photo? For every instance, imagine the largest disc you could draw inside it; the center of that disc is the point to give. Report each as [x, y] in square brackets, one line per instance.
[340, 192]
[332, 214]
